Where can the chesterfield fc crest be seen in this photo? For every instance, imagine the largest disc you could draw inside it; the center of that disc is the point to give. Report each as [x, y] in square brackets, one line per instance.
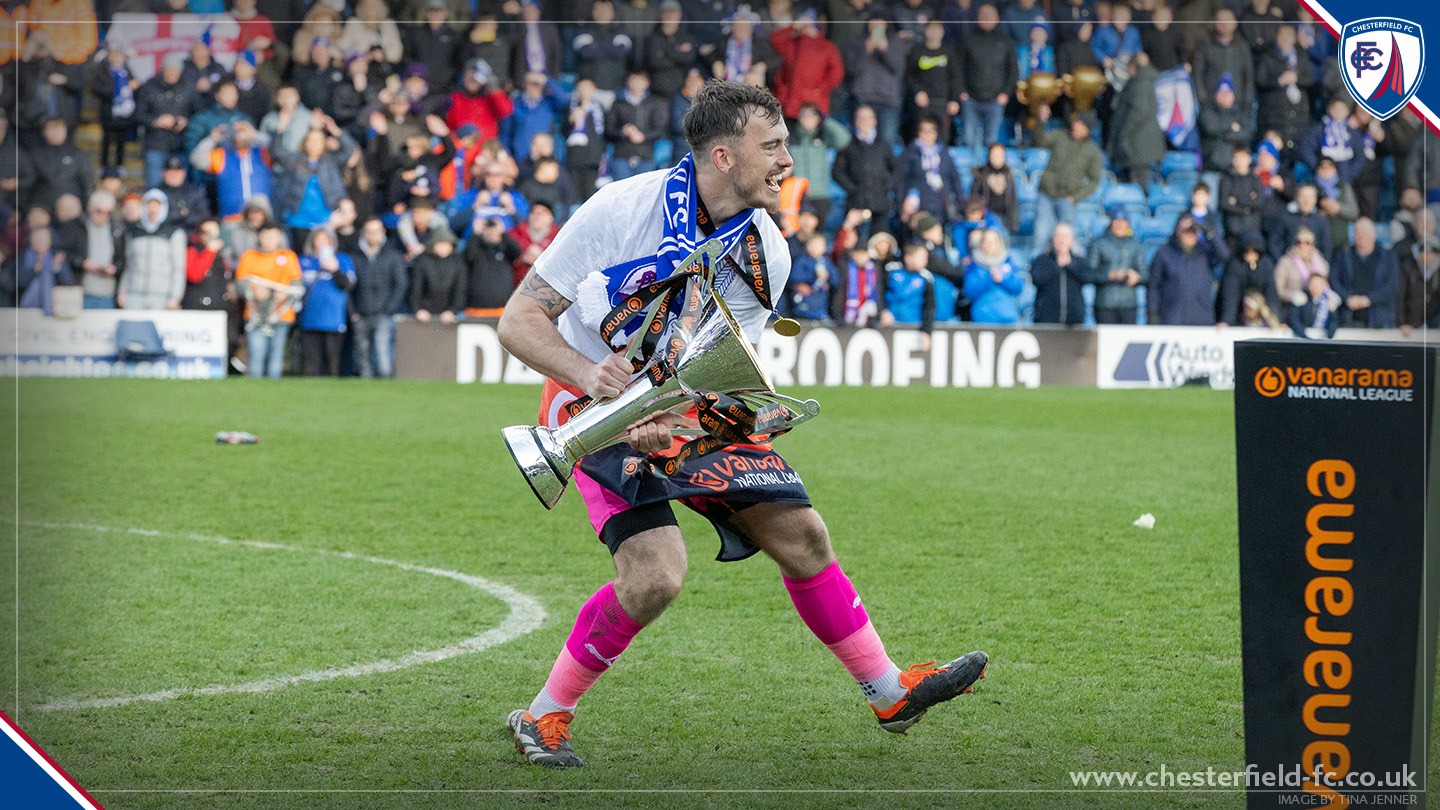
[1383, 59]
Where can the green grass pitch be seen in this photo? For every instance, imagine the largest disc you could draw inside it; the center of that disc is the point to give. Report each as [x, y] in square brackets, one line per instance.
[996, 520]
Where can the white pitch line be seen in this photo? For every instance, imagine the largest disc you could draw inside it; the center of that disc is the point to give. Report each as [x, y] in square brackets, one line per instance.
[525, 615]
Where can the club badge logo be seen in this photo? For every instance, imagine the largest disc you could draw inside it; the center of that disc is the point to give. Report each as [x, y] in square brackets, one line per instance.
[1383, 59]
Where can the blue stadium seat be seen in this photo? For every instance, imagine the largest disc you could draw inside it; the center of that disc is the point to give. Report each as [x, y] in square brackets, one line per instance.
[1027, 221]
[1036, 159]
[964, 161]
[664, 149]
[1026, 192]
[1020, 259]
[1151, 250]
[1179, 161]
[1165, 194]
[947, 295]
[1184, 181]
[1151, 228]
[1025, 302]
[1015, 159]
[1087, 220]
[967, 180]
[1124, 194]
[1170, 213]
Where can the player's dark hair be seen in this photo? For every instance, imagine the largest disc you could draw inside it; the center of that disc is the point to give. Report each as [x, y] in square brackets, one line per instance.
[720, 110]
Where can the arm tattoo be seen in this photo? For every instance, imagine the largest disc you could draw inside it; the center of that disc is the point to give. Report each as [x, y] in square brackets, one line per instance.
[550, 300]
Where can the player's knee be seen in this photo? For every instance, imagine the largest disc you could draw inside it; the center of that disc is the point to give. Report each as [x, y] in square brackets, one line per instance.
[813, 539]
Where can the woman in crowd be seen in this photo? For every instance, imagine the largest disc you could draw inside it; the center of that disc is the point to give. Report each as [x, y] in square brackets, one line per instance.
[992, 283]
[328, 276]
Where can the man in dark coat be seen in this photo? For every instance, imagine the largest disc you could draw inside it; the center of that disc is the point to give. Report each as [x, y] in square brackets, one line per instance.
[1241, 198]
[54, 168]
[1285, 76]
[1059, 274]
[378, 295]
[1248, 270]
[1367, 277]
[670, 51]
[1306, 213]
[874, 67]
[164, 105]
[490, 258]
[1182, 287]
[1136, 140]
[1224, 127]
[636, 120]
[866, 170]
[436, 45]
[1225, 52]
[932, 76]
[188, 204]
[989, 70]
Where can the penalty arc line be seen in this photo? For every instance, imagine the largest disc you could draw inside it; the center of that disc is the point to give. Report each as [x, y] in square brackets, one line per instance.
[525, 615]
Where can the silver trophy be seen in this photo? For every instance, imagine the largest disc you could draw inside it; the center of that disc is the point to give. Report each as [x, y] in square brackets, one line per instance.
[716, 357]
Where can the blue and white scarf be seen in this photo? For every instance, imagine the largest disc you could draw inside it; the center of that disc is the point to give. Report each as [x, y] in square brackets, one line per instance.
[739, 56]
[122, 99]
[603, 290]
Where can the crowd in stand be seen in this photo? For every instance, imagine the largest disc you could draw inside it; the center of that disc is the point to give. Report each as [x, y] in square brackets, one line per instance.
[362, 161]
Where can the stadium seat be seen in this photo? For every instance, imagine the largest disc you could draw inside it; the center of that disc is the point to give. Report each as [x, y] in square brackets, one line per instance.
[1179, 161]
[1151, 228]
[1025, 302]
[1015, 159]
[1150, 251]
[1124, 194]
[1026, 192]
[1027, 221]
[664, 149]
[964, 161]
[1170, 213]
[947, 295]
[966, 181]
[1184, 181]
[1086, 220]
[138, 340]
[1036, 159]
[1020, 259]
[1165, 194]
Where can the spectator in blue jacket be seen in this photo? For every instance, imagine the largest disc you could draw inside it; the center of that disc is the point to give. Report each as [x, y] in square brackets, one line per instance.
[1035, 54]
[992, 282]
[807, 292]
[328, 275]
[539, 107]
[1116, 42]
[1367, 278]
[1182, 287]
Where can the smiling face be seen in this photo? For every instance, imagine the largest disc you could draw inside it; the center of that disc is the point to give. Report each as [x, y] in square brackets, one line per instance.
[759, 161]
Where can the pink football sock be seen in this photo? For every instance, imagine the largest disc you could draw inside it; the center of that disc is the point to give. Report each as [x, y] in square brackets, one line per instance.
[602, 631]
[829, 606]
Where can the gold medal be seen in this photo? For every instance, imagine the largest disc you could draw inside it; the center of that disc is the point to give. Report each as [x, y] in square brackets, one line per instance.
[787, 327]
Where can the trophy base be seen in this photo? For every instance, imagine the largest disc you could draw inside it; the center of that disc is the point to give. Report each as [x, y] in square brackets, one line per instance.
[545, 480]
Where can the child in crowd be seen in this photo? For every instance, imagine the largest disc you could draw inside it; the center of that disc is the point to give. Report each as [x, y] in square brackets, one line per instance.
[808, 290]
[1315, 308]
